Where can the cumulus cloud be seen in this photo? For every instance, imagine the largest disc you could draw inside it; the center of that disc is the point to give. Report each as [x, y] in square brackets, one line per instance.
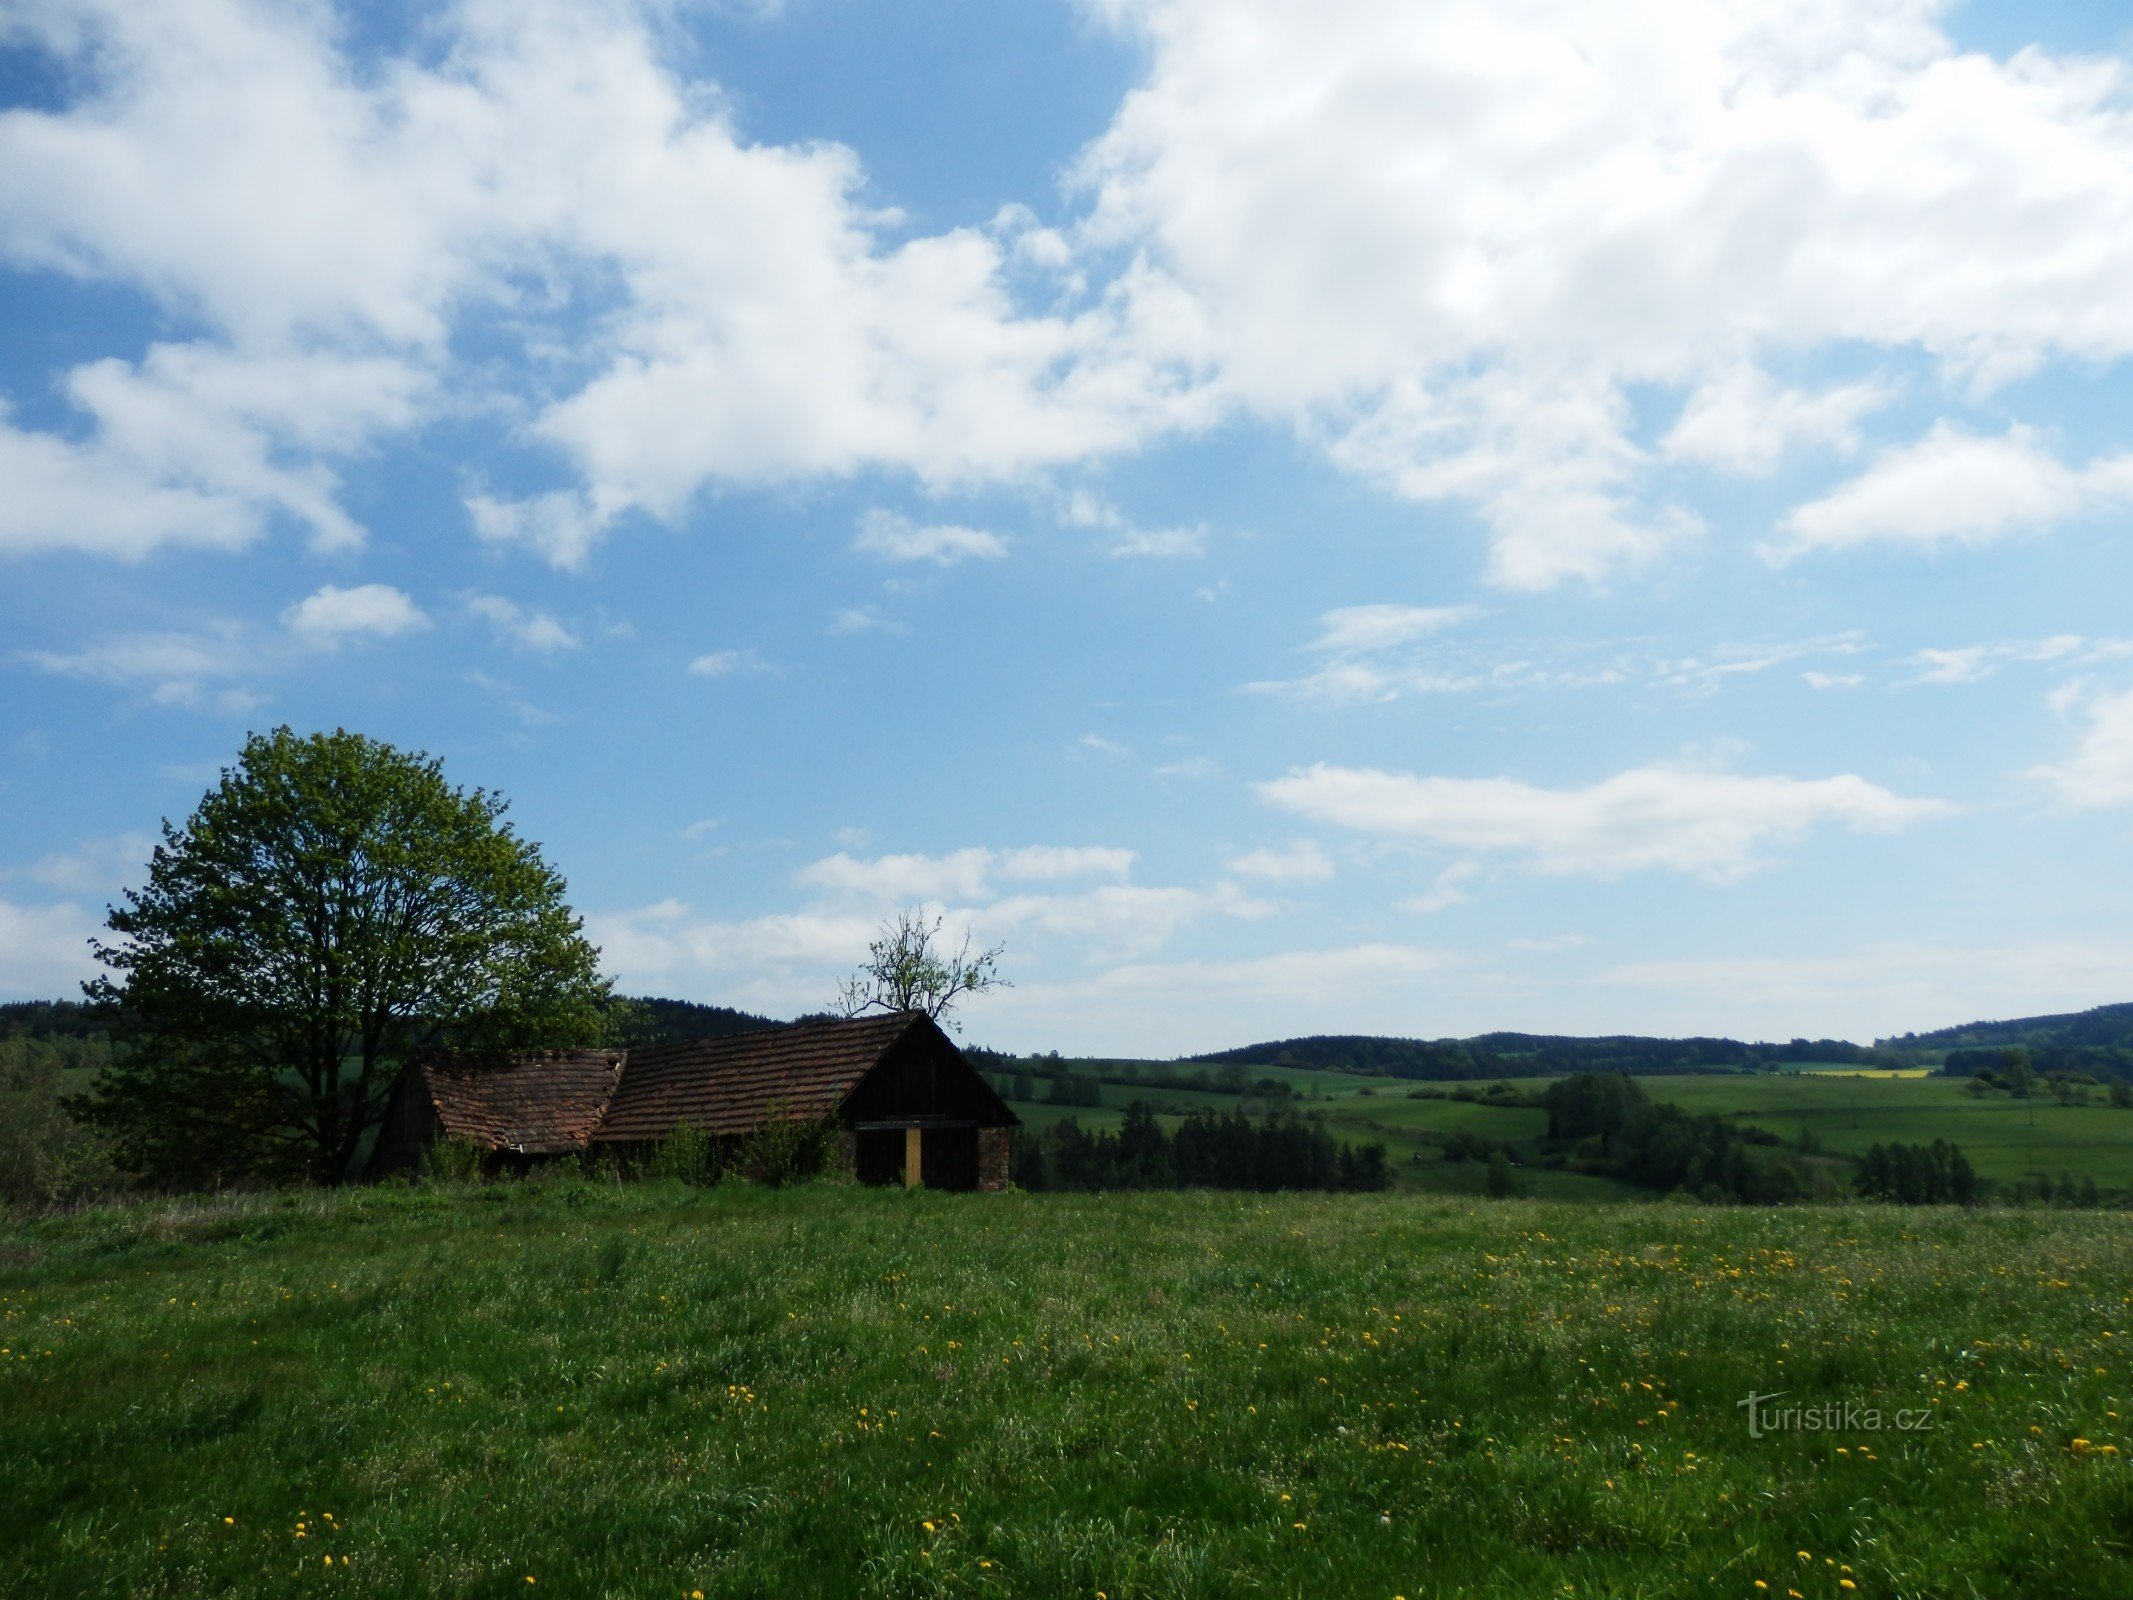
[513, 623]
[1447, 242]
[563, 527]
[44, 949]
[1953, 487]
[1304, 861]
[1743, 421]
[898, 538]
[2100, 771]
[334, 615]
[193, 445]
[1711, 824]
[1443, 247]
[797, 956]
[758, 320]
[960, 875]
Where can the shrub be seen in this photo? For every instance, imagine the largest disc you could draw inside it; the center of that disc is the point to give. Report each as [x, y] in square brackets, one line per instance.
[456, 1161]
[782, 1149]
[686, 1154]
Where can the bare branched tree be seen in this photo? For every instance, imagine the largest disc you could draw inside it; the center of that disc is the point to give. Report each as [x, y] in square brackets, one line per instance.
[909, 969]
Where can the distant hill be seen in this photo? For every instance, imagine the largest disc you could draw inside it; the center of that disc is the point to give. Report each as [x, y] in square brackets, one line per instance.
[2098, 1041]
[51, 1019]
[651, 1020]
[2100, 1025]
[1526, 1055]
[659, 1021]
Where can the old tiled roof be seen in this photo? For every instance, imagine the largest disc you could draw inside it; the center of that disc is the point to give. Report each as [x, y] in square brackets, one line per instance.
[549, 1101]
[539, 1102]
[731, 1084]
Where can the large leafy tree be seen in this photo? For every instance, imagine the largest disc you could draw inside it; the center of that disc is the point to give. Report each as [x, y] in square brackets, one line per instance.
[332, 906]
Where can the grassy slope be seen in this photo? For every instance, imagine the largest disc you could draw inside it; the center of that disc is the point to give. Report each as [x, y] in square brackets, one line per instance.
[1847, 1114]
[1993, 1131]
[652, 1392]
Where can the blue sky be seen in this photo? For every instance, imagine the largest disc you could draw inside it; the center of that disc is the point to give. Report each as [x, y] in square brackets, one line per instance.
[1372, 517]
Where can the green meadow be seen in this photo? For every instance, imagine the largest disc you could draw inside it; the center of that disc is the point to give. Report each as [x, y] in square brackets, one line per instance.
[1845, 1113]
[559, 1387]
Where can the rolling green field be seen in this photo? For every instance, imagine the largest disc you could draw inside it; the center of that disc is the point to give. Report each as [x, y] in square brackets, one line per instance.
[1847, 1113]
[559, 1387]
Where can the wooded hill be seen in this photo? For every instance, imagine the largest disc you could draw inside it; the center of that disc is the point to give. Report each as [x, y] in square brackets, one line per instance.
[2098, 1041]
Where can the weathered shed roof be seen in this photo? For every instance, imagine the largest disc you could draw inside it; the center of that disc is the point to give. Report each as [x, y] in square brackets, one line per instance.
[546, 1102]
[734, 1083]
[540, 1102]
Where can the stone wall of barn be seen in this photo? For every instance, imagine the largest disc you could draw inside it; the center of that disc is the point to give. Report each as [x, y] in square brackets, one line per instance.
[992, 1159]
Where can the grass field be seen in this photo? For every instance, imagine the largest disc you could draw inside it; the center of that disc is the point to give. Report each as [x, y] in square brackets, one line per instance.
[559, 1388]
[1846, 1112]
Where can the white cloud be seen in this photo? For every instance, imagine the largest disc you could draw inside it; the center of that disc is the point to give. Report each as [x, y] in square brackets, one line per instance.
[1711, 824]
[44, 950]
[199, 671]
[563, 527]
[793, 960]
[332, 615]
[728, 664]
[1190, 767]
[1357, 629]
[1972, 662]
[1448, 241]
[2100, 771]
[1045, 862]
[853, 620]
[1102, 746]
[1160, 544]
[898, 538]
[189, 447]
[1116, 921]
[1443, 246]
[1832, 680]
[1304, 861]
[1742, 421]
[903, 879]
[98, 867]
[1953, 487]
[960, 875]
[1746, 660]
[528, 630]
[1446, 891]
[757, 320]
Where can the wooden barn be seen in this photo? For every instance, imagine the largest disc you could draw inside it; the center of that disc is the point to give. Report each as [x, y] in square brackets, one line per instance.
[908, 1107]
